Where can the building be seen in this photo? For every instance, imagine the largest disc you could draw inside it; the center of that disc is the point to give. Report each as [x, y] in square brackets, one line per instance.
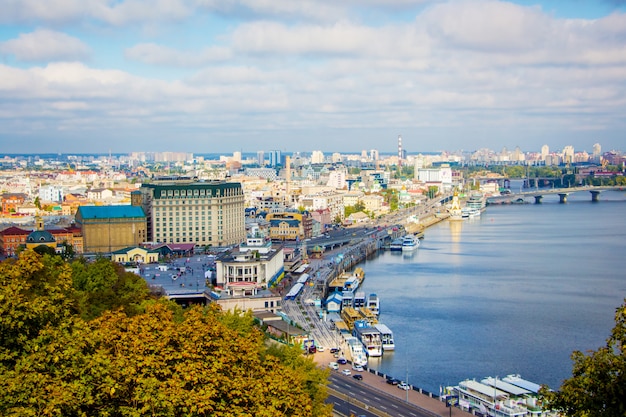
[184, 211]
[12, 201]
[135, 255]
[107, 229]
[14, 237]
[51, 193]
[290, 226]
[11, 238]
[253, 266]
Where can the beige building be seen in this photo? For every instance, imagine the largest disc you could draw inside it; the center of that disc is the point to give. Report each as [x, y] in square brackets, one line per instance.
[109, 228]
[210, 213]
[254, 266]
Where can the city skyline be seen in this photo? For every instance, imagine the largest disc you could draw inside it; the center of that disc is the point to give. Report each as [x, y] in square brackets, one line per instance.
[199, 76]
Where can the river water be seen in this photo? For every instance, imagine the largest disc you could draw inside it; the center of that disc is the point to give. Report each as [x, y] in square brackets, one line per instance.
[514, 291]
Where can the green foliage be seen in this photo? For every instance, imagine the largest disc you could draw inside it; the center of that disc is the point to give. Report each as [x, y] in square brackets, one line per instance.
[34, 293]
[102, 285]
[359, 206]
[433, 191]
[45, 250]
[598, 383]
[159, 360]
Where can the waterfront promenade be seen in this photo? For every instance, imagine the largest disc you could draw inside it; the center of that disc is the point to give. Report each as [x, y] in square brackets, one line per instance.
[305, 314]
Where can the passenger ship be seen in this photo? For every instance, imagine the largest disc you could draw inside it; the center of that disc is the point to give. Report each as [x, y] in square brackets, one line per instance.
[369, 338]
[359, 358]
[409, 243]
[373, 303]
[386, 337]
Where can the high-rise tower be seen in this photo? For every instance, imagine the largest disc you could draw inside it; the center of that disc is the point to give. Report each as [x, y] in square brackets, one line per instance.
[399, 151]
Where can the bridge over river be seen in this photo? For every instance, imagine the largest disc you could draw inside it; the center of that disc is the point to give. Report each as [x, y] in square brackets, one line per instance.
[561, 192]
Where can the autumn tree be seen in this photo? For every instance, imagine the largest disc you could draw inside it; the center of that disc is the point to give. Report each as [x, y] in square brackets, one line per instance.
[152, 365]
[34, 295]
[158, 360]
[103, 285]
[598, 383]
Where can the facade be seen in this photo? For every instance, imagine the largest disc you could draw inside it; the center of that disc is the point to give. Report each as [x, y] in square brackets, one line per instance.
[51, 193]
[11, 238]
[135, 255]
[290, 226]
[185, 211]
[107, 229]
[254, 266]
[12, 201]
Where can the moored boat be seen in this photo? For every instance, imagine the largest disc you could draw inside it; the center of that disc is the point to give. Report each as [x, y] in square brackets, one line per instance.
[396, 245]
[369, 338]
[386, 337]
[357, 354]
[409, 243]
[373, 303]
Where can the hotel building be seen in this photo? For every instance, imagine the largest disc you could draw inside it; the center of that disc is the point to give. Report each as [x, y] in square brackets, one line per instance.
[208, 213]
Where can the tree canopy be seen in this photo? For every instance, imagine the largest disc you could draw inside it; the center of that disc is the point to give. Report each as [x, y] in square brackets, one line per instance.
[61, 355]
[598, 383]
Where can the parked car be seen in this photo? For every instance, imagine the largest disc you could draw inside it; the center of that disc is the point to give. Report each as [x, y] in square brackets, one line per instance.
[321, 348]
[393, 381]
[357, 368]
[333, 365]
[403, 385]
[334, 350]
[346, 372]
[358, 377]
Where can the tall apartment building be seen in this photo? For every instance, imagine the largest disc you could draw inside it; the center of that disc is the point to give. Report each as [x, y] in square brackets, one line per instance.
[185, 211]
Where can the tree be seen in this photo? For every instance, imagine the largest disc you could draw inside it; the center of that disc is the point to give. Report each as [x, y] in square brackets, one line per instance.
[160, 360]
[34, 295]
[598, 383]
[103, 285]
[153, 364]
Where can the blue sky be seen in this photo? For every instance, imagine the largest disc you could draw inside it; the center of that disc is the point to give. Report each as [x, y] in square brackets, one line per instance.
[210, 76]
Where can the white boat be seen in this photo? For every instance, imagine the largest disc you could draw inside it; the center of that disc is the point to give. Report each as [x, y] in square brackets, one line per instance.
[357, 354]
[470, 213]
[409, 243]
[373, 303]
[386, 337]
[396, 245]
[369, 338]
[476, 201]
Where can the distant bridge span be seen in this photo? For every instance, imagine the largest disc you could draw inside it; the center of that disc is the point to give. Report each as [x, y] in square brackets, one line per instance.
[561, 192]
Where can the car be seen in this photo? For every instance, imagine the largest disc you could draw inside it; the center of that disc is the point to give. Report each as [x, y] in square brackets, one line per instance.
[342, 361]
[357, 368]
[312, 349]
[358, 377]
[333, 365]
[393, 381]
[346, 372]
[334, 350]
[321, 348]
[403, 385]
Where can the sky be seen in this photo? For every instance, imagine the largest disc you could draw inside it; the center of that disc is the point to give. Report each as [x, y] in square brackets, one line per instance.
[218, 76]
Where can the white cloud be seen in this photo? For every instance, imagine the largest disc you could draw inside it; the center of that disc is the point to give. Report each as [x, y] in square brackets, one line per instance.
[113, 12]
[153, 54]
[45, 45]
[340, 39]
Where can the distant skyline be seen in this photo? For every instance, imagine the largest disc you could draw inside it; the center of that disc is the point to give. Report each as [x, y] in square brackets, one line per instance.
[208, 76]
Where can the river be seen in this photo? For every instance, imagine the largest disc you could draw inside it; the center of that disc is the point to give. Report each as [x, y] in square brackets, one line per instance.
[515, 291]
